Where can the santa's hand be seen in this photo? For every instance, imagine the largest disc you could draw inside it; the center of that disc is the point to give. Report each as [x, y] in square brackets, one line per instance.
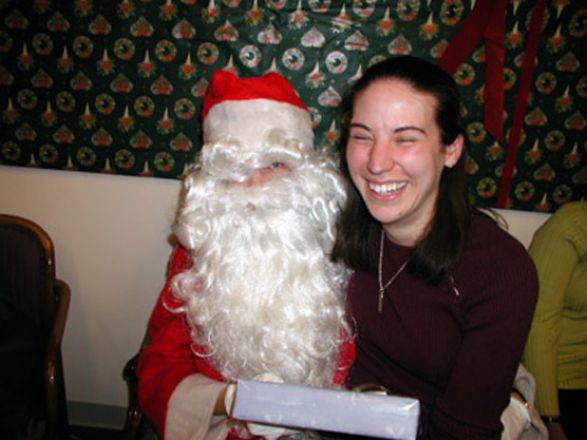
[268, 377]
[230, 391]
[270, 432]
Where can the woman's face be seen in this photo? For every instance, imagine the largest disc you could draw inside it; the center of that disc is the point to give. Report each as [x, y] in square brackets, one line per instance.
[395, 156]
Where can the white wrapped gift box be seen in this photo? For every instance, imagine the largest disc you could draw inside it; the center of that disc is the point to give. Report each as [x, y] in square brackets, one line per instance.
[349, 412]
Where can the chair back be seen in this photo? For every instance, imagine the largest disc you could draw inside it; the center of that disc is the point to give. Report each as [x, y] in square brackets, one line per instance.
[27, 269]
[33, 312]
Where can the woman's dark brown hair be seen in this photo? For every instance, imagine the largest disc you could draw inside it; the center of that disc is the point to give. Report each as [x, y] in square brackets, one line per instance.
[439, 250]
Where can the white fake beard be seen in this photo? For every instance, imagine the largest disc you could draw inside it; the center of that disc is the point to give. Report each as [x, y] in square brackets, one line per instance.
[270, 300]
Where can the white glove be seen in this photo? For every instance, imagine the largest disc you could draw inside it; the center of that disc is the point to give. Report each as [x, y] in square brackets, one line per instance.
[515, 419]
[270, 432]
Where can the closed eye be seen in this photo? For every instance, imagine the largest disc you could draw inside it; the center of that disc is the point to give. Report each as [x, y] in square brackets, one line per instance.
[406, 140]
[359, 137]
[359, 132]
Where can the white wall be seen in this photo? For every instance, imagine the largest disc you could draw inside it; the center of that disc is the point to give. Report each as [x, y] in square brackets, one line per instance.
[523, 224]
[111, 238]
[110, 234]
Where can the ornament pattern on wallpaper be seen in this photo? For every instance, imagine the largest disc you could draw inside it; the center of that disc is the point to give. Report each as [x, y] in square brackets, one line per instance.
[115, 86]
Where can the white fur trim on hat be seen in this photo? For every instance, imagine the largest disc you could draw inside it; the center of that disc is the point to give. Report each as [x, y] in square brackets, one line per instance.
[249, 122]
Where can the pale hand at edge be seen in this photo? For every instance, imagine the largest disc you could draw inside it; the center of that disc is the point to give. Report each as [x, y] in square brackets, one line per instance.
[270, 432]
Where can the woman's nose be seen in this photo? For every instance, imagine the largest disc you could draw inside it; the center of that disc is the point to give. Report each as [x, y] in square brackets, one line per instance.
[381, 157]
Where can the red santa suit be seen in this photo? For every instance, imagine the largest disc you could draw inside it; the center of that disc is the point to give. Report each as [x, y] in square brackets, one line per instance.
[201, 324]
[177, 389]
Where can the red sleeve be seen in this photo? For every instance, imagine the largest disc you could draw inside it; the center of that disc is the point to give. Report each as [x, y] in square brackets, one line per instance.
[168, 358]
[346, 357]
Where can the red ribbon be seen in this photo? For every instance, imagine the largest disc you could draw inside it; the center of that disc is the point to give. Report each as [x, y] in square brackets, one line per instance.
[486, 21]
[521, 102]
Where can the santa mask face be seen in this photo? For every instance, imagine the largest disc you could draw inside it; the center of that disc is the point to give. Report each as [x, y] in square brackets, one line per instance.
[268, 298]
[251, 124]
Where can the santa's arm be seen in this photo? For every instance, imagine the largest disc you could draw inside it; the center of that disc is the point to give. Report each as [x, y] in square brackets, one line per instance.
[173, 392]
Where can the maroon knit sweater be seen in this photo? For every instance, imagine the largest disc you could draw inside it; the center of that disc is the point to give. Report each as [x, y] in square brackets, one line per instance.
[456, 348]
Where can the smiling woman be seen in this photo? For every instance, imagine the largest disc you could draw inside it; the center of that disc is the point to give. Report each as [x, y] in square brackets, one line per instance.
[396, 157]
[441, 297]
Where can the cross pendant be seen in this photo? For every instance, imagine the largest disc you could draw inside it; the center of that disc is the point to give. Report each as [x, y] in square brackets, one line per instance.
[380, 301]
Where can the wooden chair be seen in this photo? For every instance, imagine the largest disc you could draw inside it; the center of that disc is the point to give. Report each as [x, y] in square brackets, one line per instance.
[33, 309]
[136, 425]
[134, 416]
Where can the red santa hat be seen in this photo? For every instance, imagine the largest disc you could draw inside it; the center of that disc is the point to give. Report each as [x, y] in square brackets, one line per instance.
[246, 108]
[226, 86]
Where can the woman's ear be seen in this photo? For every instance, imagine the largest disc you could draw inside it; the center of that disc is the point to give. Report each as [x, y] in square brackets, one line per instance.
[452, 152]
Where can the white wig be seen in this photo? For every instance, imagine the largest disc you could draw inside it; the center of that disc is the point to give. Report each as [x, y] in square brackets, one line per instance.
[269, 300]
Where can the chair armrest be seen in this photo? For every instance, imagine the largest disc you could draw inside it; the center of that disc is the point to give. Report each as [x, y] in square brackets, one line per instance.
[57, 420]
[62, 295]
[134, 415]
[130, 370]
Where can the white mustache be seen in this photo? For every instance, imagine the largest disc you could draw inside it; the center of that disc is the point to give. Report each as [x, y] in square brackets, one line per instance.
[231, 160]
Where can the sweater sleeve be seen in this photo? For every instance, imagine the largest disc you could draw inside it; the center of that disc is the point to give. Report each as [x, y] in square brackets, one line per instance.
[555, 256]
[167, 362]
[497, 303]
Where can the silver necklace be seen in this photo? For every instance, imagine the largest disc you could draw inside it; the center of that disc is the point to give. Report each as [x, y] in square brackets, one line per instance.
[380, 274]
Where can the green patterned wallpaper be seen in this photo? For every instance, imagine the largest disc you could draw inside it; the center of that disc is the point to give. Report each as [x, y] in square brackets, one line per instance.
[116, 86]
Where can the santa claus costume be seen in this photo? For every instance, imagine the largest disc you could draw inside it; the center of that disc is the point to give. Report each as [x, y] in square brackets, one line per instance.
[251, 291]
